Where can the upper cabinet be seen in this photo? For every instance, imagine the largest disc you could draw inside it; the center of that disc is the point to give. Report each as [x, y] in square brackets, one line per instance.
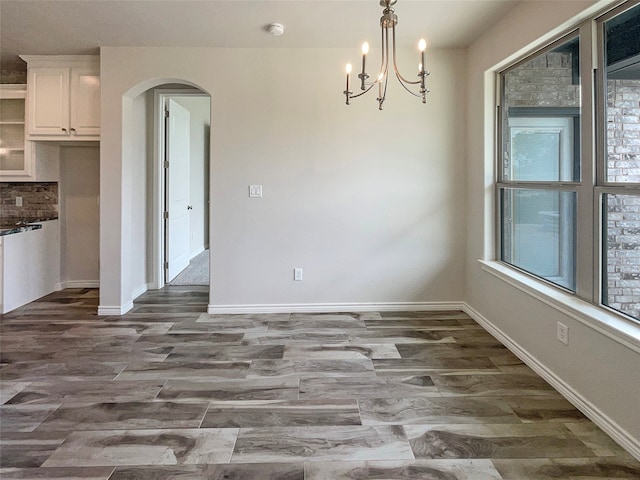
[15, 160]
[63, 97]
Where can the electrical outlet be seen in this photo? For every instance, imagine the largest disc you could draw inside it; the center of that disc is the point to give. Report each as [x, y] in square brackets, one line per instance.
[297, 274]
[563, 333]
[18, 201]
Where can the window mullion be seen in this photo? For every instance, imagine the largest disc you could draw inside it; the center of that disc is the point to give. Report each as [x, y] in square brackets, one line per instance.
[587, 236]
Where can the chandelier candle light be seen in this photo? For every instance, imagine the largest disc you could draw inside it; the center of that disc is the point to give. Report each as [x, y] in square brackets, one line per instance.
[389, 20]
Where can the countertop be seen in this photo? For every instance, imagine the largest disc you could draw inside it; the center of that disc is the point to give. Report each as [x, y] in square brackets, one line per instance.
[10, 229]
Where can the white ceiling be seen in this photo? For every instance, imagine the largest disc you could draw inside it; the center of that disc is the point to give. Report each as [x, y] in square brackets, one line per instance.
[55, 27]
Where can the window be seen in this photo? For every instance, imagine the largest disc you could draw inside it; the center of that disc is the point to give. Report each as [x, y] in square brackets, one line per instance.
[540, 127]
[620, 177]
[569, 213]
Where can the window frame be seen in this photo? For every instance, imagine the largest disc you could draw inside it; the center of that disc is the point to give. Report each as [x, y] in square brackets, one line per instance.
[602, 186]
[502, 184]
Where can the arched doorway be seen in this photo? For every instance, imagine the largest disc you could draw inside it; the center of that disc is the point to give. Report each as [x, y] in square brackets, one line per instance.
[145, 179]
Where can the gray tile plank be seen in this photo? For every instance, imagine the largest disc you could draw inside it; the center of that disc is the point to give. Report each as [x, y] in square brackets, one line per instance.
[278, 413]
[145, 447]
[256, 445]
[404, 470]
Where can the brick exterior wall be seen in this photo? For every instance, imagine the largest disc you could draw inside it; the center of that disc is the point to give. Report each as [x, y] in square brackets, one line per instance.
[623, 211]
[546, 81]
[39, 202]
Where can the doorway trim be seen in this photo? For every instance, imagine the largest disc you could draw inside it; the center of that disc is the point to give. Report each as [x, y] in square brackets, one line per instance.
[160, 96]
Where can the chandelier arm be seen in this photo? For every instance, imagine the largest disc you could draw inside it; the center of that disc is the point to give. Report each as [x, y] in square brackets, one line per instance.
[383, 94]
[400, 80]
[384, 61]
[362, 93]
[395, 66]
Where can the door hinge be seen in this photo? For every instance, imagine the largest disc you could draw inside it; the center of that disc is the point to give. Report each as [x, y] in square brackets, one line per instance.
[166, 112]
[165, 215]
[166, 265]
[166, 164]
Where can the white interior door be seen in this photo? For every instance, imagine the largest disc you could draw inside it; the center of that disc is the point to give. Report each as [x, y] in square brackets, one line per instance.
[177, 191]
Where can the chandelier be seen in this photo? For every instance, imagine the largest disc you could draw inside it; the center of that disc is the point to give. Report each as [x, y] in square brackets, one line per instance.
[388, 21]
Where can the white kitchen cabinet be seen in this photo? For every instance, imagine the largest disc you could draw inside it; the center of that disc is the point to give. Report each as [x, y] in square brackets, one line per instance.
[63, 97]
[16, 161]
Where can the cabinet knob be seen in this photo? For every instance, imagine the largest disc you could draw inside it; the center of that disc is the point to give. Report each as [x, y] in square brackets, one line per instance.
[64, 129]
[189, 207]
[73, 131]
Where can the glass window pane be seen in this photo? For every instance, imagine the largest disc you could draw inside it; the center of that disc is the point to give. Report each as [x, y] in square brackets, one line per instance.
[538, 233]
[621, 289]
[622, 72]
[541, 105]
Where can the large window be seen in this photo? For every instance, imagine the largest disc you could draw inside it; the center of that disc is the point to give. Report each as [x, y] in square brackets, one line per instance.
[569, 213]
[540, 128]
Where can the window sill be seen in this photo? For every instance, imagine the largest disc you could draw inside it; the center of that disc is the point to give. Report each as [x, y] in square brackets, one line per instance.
[625, 332]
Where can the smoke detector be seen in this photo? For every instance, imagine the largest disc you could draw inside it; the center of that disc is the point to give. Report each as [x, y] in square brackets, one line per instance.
[276, 29]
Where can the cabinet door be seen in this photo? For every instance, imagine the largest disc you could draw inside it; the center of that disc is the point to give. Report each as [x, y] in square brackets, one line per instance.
[15, 160]
[85, 102]
[48, 98]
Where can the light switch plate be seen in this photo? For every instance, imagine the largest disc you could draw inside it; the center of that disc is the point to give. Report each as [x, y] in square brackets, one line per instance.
[18, 201]
[255, 191]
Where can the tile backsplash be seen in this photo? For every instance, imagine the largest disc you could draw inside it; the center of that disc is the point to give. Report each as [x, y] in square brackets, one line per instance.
[39, 202]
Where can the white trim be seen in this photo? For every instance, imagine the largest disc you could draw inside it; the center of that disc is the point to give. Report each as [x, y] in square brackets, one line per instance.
[121, 310]
[140, 290]
[159, 97]
[625, 332]
[78, 284]
[57, 60]
[619, 434]
[335, 307]
[114, 309]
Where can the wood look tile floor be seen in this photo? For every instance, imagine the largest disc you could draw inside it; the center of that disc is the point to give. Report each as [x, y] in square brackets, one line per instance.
[170, 392]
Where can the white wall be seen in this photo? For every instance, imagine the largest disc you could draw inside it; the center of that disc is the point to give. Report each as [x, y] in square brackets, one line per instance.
[370, 204]
[79, 215]
[199, 109]
[601, 371]
[141, 151]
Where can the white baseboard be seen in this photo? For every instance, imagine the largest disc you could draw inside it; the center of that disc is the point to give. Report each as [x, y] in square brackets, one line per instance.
[140, 290]
[78, 284]
[114, 309]
[122, 309]
[619, 434]
[335, 307]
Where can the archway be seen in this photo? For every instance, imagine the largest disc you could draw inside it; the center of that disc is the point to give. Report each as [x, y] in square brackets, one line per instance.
[144, 176]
